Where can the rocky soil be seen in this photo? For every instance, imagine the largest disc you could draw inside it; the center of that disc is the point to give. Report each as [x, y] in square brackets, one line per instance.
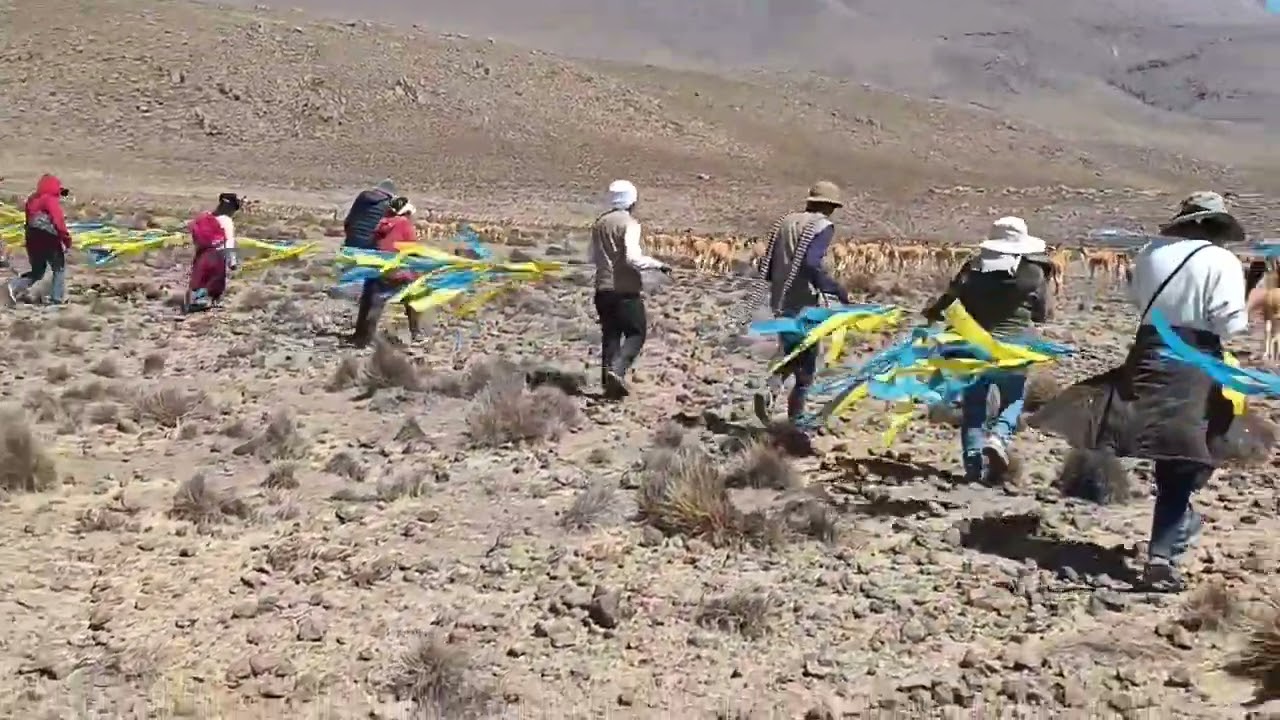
[232, 516]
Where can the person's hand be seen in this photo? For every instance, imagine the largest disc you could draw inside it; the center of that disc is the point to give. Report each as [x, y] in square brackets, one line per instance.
[665, 270]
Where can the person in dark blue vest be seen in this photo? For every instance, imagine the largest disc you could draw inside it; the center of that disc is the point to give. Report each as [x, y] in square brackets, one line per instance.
[369, 208]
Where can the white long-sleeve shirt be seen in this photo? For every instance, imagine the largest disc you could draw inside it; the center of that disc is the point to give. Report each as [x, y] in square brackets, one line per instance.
[1206, 294]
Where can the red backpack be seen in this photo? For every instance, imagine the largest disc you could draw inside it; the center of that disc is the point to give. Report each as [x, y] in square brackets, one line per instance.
[207, 232]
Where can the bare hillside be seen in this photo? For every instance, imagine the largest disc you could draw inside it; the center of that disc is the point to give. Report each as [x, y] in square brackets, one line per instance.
[1218, 60]
[134, 95]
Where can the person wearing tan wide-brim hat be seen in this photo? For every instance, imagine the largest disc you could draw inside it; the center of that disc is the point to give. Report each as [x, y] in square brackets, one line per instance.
[792, 267]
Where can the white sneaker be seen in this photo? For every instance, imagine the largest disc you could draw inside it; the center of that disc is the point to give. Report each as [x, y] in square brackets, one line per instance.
[997, 455]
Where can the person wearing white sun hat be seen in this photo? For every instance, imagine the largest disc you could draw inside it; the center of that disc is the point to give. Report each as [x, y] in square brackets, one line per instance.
[619, 258]
[1006, 290]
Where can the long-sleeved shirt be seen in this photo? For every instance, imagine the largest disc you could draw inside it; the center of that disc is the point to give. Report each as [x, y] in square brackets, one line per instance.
[1208, 293]
[1005, 294]
[813, 270]
[605, 253]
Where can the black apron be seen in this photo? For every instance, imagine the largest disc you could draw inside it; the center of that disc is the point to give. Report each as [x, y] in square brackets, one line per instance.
[1151, 407]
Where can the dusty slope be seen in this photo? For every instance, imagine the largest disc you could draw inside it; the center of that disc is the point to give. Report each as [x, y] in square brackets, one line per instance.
[366, 551]
[128, 96]
[1217, 60]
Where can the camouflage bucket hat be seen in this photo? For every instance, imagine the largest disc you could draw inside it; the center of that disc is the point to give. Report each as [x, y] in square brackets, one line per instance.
[1206, 205]
[825, 191]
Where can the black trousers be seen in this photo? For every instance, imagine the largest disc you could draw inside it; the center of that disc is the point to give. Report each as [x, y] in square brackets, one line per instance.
[370, 312]
[622, 329]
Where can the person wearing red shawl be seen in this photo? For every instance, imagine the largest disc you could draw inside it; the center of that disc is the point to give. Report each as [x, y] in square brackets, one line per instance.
[214, 237]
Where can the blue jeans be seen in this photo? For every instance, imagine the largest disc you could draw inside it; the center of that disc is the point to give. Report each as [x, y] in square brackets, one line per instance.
[973, 411]
[1175, 527]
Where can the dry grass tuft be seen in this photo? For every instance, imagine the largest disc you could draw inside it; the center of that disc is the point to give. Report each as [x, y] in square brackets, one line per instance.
[281, 439]
[684, 493]
[100, 519]
[103, 413]
[1259, 659]
[55, 374]
[507, 412]
[169, 406]
[74, 321]
[153, 364]
[476, 377]
[591, 506]
[670, 435]
[199, 504]
[810, 517]
[1041, 387]
[1213, 606]
[343, 464]
[435, 677]
[387, 367]
[24, 464]
[760, 465]
[747, 612]
[411, 483]
[106, 367]
[346, 375]
[281, 476]
[254, 297]
[1095, 476]
[23, 330]
[1249, 441]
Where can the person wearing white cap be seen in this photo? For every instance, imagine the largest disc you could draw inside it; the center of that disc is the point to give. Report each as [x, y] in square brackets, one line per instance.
[1156, 408]
[1005, 288]
[619, 258]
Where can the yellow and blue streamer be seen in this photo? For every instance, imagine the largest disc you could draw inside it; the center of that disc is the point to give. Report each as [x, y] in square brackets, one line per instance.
[930, 366]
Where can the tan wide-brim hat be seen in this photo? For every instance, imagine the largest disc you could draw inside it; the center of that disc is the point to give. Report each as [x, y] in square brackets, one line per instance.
[825, 191]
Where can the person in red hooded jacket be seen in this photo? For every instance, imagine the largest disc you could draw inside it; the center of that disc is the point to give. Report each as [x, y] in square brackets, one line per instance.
[47, 240]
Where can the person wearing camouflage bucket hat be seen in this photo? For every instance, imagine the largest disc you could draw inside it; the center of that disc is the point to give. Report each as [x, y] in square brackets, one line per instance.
[792, 272]
[1207, 209]
[1159, 409]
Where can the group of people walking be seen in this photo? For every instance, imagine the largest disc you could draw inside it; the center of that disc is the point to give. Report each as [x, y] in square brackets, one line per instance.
[1149, 407]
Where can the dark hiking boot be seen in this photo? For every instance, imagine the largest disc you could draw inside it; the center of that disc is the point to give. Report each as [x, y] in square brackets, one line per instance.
[1161, 576]
[614, 387]
[762, 404]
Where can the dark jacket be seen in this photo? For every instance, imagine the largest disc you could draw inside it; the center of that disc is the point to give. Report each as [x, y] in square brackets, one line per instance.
[369, 208]
[1002, 303]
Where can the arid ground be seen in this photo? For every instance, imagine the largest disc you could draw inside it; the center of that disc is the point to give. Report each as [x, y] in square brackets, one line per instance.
[234, 516]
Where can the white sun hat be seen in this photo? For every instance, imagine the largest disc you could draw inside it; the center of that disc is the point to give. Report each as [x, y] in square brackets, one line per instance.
[1009, 236]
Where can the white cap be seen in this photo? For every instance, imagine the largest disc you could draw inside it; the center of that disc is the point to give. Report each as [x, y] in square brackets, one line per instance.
[622, 194]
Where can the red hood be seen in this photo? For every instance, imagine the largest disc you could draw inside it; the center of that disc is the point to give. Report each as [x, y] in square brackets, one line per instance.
[49, 185]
